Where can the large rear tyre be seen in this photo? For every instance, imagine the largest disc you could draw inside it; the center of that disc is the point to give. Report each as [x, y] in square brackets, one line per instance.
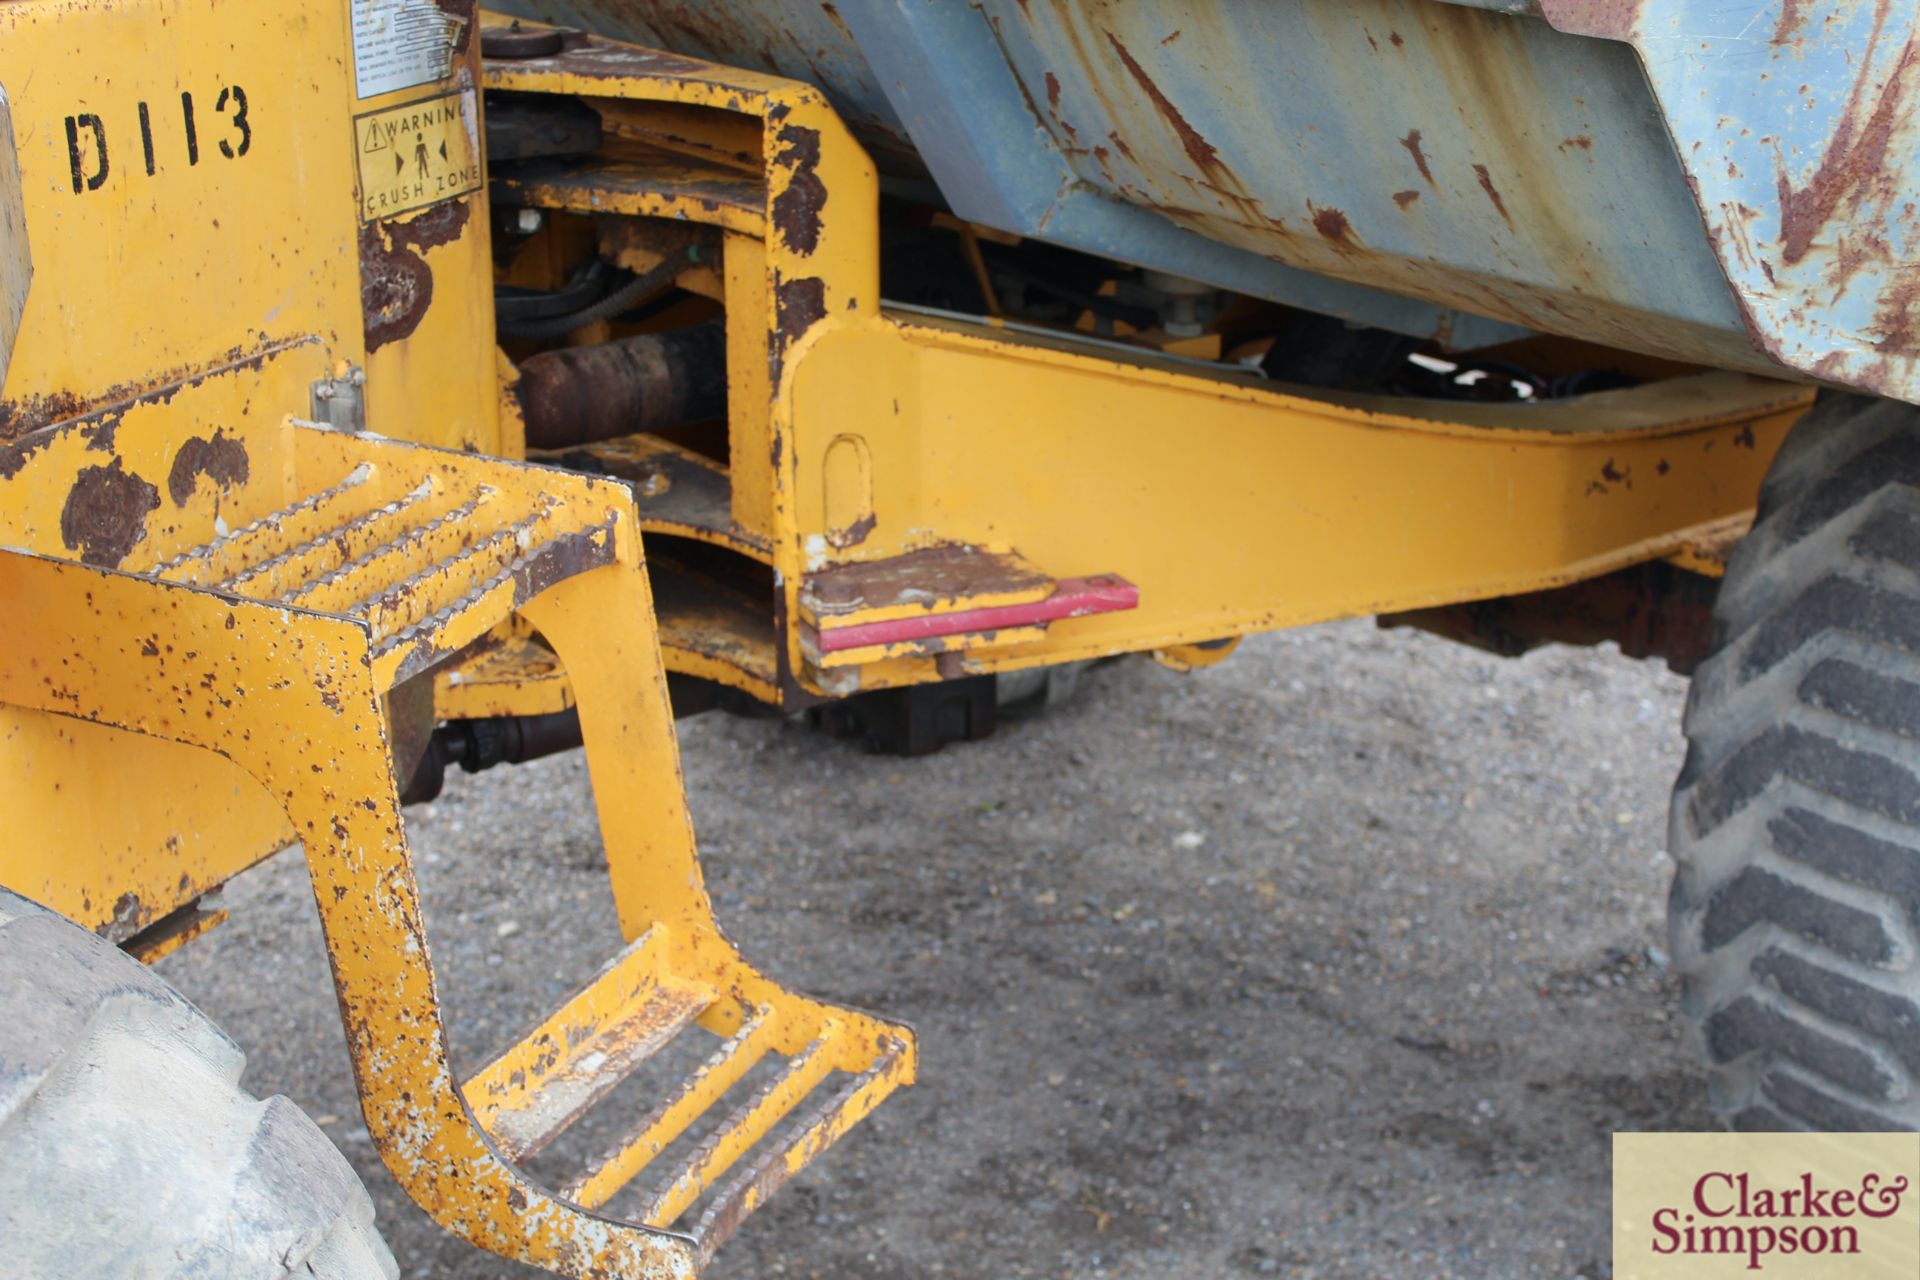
[127, 1148]
[1796, 818]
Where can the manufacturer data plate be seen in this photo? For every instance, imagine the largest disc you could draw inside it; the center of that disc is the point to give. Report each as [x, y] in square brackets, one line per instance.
[417, 154]
[398, 44]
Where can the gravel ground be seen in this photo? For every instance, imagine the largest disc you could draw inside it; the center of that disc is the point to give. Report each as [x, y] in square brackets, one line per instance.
[1341, 959]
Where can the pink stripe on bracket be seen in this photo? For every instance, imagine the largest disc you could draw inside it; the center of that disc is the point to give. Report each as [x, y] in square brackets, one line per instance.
[1072, 598]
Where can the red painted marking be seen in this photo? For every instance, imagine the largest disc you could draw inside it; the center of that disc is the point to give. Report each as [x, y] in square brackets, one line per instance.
[1071, 598]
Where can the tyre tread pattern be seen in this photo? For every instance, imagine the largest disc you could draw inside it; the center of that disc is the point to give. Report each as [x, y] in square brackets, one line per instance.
[1796, 819]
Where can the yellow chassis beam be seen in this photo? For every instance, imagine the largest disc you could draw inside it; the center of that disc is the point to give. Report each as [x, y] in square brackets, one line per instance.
[861, 432]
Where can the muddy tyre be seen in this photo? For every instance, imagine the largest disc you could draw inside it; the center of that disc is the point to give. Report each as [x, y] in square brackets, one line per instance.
[1795, 910]
[127, 1148]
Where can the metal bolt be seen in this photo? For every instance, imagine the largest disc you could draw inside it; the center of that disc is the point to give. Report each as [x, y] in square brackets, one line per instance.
[528, 221]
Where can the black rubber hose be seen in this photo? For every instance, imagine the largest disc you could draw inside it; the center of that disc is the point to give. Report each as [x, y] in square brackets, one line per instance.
[629, 295]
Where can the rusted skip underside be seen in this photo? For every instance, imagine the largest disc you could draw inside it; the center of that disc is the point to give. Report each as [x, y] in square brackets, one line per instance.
[1727, 184]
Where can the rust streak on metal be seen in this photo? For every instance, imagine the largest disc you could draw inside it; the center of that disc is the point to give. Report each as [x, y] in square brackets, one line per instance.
[1405, 198]
[463, 13]
[102, 410]
[930, 580]
[1897, 320]
[1332, 224]
[1198, 149]
[1790, 21]
[854, 534]
[1493, 192]
[220, 458]
[439, 225]
[1412, 143]
[1853, 159]
[797, 306]
[105, 514]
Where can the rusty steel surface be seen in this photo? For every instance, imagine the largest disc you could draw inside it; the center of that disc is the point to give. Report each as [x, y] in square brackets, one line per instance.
[1727, 184]
[714, 631]
[938, 579]
[580, 395]
[1650, 610]
[677, 491]
[1798, 125]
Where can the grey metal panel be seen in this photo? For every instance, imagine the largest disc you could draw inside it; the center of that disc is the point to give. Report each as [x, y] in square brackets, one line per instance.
[1479, 160]
[1798, 124]
[957, 91]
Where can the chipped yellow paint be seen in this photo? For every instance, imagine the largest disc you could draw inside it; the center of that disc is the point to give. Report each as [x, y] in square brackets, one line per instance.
[208, 602]
[272, 644]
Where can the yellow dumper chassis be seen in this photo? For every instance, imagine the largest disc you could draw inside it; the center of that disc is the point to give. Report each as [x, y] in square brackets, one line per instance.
[214, 615]
[872, 447]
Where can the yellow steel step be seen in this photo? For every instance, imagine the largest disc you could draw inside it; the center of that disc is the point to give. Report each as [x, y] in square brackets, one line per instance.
[529, 1094]
[656, 1130]
[754, 1118]
[377, 561]
[777, 1163]
[365, 558]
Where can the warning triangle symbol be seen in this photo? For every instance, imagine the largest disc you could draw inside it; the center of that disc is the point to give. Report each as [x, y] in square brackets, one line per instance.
[373, 142]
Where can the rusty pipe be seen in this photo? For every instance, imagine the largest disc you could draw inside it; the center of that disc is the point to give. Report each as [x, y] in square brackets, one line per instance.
[577, 395]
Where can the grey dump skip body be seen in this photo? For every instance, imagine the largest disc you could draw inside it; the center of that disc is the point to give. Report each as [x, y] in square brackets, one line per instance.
[1732, 184]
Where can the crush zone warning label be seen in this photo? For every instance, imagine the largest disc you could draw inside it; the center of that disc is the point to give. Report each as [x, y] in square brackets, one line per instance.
[415, 155]
[398, 44]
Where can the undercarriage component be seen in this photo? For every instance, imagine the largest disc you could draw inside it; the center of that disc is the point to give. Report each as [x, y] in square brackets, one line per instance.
[364, 563]
[915, 721]
[536, 127]
[539, 319]
[580, 395]
[124, 1133]
[1650, 610]
[1795, 826]
[478, 745]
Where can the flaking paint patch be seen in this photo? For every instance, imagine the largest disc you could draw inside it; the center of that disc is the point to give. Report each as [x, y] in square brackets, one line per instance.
[797, 306]
[797, 209]
[105, 515]
[220, 458]
[396, 288]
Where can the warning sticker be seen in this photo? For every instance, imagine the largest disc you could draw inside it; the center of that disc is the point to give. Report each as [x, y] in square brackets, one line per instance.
[398, 44]
[415, 155]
